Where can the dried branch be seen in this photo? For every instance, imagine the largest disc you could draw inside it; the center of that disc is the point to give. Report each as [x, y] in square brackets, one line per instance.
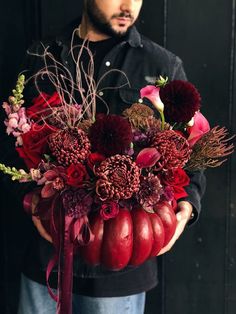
[211, 149]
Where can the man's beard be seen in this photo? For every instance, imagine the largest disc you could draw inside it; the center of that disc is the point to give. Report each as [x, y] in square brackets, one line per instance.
[99, 21]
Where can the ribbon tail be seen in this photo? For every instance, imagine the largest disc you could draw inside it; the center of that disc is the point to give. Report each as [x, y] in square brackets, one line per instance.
[65, 271]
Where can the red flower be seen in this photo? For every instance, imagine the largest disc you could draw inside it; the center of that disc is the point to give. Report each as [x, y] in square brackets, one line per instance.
[110, 134]
[181, 100]
[109, 210]
[77, 174]
[200, 127]
[148, 157]
[177, 179]
[42, 105]
[35, 145]
[94, 159]
[55, 181]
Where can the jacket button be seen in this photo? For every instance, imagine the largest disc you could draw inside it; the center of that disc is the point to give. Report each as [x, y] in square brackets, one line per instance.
[108, 63]
[101, 94]
[140, 100]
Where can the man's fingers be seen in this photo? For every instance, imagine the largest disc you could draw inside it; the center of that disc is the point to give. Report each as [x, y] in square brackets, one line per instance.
[181, 223]
[41, 229]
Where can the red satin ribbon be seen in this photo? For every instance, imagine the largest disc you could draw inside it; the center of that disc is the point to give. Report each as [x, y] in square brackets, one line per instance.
[65, 232]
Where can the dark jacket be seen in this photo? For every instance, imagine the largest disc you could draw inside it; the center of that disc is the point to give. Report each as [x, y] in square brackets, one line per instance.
[140, 59]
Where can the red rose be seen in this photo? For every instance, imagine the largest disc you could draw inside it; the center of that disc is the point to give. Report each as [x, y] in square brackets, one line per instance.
[35, 144]
[109, 210]
[77, 174]
[42, 105]
[177, 179]
[94, 159]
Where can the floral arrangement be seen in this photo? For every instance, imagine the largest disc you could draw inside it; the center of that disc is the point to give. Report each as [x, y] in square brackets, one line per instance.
[108, 185]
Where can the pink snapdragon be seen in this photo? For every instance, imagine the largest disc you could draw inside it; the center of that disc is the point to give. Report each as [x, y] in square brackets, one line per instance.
[17, 123]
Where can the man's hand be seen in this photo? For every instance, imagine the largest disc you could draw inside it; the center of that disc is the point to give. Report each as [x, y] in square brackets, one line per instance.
[37, 221]
[184, 213]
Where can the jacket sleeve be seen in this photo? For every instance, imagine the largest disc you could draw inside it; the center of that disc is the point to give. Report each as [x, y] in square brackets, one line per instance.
[197, 186]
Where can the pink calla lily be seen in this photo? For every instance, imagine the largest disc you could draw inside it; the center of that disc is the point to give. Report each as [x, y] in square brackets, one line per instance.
[200, 127]
[153, 94]
[148, 157]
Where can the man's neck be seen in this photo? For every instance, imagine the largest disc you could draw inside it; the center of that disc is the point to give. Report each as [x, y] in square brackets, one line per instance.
[87, 31]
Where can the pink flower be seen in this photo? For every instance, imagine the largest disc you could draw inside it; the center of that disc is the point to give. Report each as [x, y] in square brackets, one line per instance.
[152, 93]
[25, 127]
[200, 127]
[22, 113]
[7, 108]
[109, 210]
[148, 157]
[55, 181]
[13, 123]
[19, 141]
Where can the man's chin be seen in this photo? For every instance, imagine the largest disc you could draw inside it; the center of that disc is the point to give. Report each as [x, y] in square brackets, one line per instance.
[120, 31]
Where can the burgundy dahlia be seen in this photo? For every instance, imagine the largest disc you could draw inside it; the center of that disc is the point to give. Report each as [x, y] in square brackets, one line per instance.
[150, 192]
[110, 135]
[77, 203]
[69, 146]
[181, 100]
[173, 147]
[118, 178]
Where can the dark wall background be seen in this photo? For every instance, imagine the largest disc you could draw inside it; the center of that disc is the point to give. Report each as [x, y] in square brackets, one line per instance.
[199, 274]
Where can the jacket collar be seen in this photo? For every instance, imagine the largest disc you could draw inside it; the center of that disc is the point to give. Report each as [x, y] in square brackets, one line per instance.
[133, 37]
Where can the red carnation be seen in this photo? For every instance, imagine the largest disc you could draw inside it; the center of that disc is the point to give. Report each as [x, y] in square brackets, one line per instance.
[177, 179]
[110, 135]
[181, 100]
[76, 175]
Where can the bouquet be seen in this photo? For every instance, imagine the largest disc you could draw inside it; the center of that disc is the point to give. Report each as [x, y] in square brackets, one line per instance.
[108, 185]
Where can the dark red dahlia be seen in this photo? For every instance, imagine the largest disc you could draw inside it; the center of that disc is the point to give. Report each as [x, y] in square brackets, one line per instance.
[110, 135]
[181, 100]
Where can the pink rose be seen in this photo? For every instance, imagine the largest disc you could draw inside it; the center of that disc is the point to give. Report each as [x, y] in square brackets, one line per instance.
[201, 126]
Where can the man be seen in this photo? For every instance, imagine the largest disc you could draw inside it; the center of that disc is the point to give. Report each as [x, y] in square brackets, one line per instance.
[116, 44]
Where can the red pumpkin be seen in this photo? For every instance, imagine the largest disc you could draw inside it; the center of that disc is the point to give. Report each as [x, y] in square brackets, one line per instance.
[168, 218]
[130, 238]
[92, 251]
[158, 234]
[117, 243]
[142, 235]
